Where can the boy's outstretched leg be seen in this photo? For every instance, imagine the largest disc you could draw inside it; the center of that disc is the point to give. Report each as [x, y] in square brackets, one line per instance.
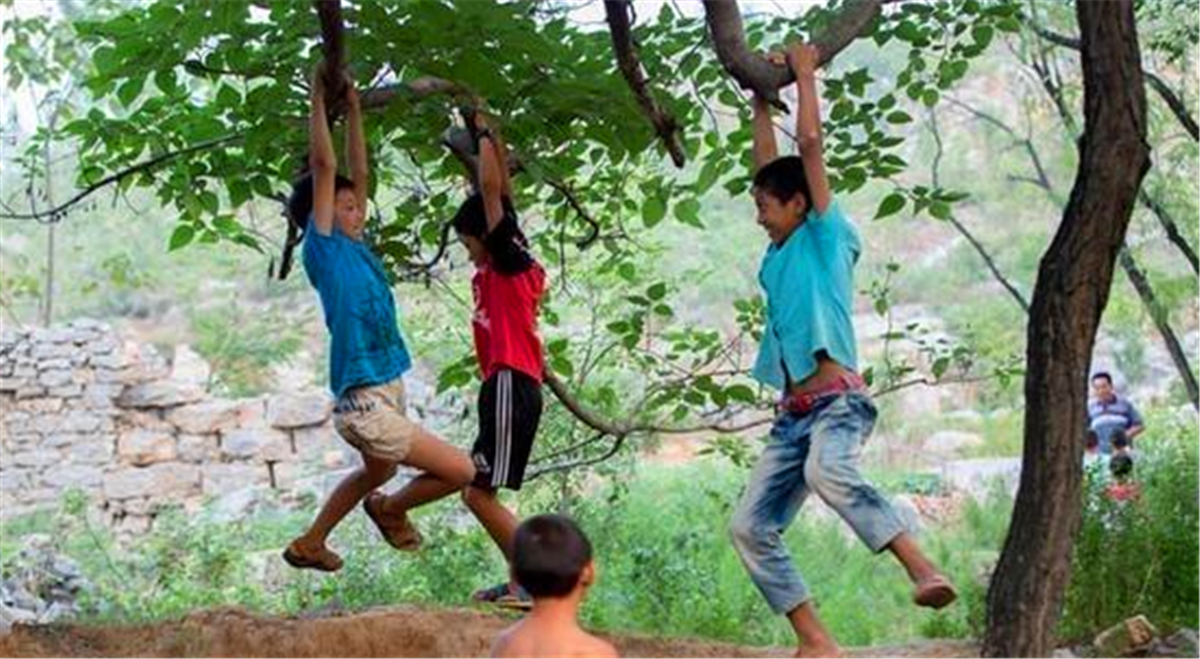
[815, 640]
[446, 470]
[310, 550]
[932, 589]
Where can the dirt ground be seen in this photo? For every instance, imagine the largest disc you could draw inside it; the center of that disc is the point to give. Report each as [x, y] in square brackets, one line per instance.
[382, 632]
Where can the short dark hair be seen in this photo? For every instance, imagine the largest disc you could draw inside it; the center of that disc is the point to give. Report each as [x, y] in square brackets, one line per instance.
[783, 178]
[549, 555]
[1119, 439]
[471, 218]
[1102, 375]
[1120, 465]
[1092, 440]
[300, 202]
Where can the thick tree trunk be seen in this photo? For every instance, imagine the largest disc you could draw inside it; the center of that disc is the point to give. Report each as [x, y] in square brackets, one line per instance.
[1074, 279]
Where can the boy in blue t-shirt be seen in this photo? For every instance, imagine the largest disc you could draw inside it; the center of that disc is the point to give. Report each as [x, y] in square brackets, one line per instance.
[367, 357]
[808, 353]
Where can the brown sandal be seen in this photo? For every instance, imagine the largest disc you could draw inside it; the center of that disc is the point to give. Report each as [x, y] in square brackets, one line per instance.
[399, 533]
[325, 560]
[935, 593]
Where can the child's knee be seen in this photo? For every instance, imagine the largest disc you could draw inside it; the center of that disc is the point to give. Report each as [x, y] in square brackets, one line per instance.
[475, 497]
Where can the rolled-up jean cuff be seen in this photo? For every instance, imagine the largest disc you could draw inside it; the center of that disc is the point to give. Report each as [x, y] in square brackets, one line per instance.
[786, 609]
[880, 541]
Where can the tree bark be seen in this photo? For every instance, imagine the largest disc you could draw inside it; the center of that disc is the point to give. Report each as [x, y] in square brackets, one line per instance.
[1074, 280]
[665, 125]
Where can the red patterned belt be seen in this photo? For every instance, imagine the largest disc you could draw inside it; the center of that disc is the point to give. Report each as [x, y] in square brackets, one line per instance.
[804, 402]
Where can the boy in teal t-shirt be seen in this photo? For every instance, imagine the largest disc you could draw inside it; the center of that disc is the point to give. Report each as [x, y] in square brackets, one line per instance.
[808, 353]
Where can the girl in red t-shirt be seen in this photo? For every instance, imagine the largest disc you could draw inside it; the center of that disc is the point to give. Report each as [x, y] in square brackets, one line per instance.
[507, 286]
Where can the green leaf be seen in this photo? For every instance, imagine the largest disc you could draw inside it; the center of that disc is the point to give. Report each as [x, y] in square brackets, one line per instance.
[930, 97]
[654, 209]
[940, 210]
[741, 393]
[982, 34]
[891, 204]
[688, 212]
[657, 291]
[182, 235]
[899, 117]
[128, 92]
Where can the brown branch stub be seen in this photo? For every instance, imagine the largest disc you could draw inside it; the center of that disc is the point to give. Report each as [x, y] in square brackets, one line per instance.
[334, 51]
[1175, 104]
[754, 72]
[665, 125]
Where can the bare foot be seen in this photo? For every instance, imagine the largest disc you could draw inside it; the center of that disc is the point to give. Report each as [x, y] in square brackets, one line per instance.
[828, 649]
[934, 591]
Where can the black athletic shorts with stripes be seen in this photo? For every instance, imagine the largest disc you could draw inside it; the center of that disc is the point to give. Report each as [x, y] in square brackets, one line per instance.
[510, 407]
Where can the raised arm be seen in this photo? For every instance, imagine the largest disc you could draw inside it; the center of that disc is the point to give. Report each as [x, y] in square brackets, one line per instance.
[765, 149]
[802, 58]
[356, 146]
[493, 172]
[321, 160]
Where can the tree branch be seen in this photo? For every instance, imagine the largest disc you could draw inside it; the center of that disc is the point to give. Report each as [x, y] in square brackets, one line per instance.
[754, 72]
[1141, 283]
[961, 228]
[569, 193]
[1176, 104]
[55, 213]
[1170, 227]
[665, 125]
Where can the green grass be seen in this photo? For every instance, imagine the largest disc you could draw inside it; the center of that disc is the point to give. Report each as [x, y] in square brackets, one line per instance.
[667, 567]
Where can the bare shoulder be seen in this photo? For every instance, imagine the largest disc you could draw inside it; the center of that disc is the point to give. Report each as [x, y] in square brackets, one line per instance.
[600, 648]
[504, 645]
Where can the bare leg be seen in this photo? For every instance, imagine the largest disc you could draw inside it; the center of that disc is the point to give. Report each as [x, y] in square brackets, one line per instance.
[348, 493]
[447, 470]
[815, 640]
[441, 459]
[932, 588]
[419, 491]
[499, 521]
[912, 558]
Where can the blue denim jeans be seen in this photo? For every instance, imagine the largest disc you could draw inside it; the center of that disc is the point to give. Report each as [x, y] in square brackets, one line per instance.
[814, 453]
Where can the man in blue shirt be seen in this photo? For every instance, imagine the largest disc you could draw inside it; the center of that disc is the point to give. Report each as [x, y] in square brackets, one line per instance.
[808, 353]
[1108, 412]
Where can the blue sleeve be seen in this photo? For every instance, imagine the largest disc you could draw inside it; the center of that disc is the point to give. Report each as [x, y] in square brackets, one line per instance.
[835, 230]
[1135, 417]
[318, 253]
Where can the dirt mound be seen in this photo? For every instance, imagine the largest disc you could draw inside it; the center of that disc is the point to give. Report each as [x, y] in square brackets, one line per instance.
[382, 632]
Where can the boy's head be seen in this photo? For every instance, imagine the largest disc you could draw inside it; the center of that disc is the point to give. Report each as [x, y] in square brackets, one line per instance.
[470, 223]
[347, 216]
[1092, 442]
[1120, 441]
[782, 197]
[1121, 466]
[552, 557]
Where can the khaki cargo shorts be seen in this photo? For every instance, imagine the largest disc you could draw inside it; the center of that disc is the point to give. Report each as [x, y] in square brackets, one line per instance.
[372, 420]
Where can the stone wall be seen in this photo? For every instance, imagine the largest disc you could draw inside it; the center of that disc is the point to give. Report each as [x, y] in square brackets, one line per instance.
[82, 409]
